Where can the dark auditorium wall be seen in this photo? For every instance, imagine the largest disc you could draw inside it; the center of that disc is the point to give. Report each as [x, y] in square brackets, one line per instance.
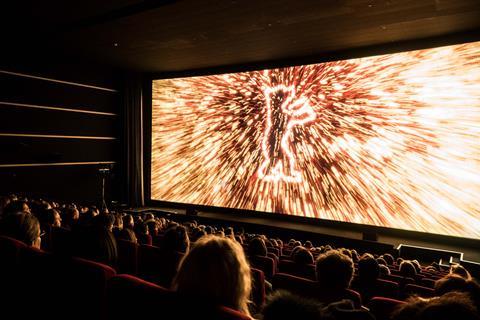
[59, 123]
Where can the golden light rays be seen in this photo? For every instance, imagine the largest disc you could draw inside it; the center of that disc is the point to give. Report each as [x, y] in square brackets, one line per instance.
[390, 140]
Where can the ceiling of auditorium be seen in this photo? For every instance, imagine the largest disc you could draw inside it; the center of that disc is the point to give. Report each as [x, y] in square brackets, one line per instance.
[175, 35]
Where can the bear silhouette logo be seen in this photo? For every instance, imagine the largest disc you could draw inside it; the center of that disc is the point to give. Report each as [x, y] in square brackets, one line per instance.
[284, 111]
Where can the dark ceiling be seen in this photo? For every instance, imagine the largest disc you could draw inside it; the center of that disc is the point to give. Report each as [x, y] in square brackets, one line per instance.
[165, 36]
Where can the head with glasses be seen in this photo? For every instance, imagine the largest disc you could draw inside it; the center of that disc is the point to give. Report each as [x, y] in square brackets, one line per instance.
[22, 226]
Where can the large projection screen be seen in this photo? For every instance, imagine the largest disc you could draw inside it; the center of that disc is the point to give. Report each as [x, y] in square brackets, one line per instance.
[390, 140]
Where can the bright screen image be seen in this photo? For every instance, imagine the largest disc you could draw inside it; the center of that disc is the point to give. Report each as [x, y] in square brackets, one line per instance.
[390, 140]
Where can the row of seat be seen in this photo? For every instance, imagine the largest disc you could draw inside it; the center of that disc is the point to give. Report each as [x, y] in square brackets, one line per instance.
[55, 287]
[159, 266]
[106, 294]
[77, 289]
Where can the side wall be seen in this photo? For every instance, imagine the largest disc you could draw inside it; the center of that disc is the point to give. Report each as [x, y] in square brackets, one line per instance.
[59, 124]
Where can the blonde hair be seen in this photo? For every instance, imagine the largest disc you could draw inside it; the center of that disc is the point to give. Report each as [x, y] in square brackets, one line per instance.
[216, 268]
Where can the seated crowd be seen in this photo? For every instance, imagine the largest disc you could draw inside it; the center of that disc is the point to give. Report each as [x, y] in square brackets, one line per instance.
[221, 265]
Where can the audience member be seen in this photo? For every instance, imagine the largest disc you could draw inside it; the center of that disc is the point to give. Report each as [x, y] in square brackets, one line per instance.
[368, 269]
[345, 310]
[285, 305]
[22, 226]
[454, 305]
[128, 222]
[97, 244]
[176, 239]
[334, 270]
[407, 269]
[105, 221]
[416, 264]
[384, 270]
[128, 235]
[303, 256]
[14, 207]
[389, 259]
[142, 233]
[50, 219]
[455, 282]
[216, 270]
[334, 274]
[70, 217]
[460, 270]
[257, 247]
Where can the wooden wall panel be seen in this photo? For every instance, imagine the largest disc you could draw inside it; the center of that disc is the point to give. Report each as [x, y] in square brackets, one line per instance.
[56, 133]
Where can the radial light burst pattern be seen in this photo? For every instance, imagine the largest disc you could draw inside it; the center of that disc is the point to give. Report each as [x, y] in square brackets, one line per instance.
[390, 140]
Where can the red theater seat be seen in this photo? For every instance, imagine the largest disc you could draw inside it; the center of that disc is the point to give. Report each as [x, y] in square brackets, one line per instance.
[401, 281]
[294, 284]
[62, 285]
[310, 289]
[380, 287]
[127, 256]
[275, 251]
[382, 308]
[9, 273]
[198, 308]
[266, 264]
[61, 241]
[225, 313]
[129, 297]
[304, 271]
[258, 288]
[413, 289]
[157, 265]
[389, 289]
[157, 240]
[87, 279]
[275, 259]
[144, 239]
[427, 282]
[9, 251]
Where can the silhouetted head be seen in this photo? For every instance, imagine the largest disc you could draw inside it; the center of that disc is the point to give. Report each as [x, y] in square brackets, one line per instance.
[97, 244]
[51, 218]
[460, 270]
[368, 268]
[303, 256]
[285, 305]
[128, 235]
[22, 226]
[128, 221]
[176, 239]
[454, 282]
[384, 270]
[454, 305]
[416, 264]
[105, 221]
[389, 259]
[407, 269]
[216, 270]
[152, 227]
[257, 247]
[334, 270]
[380, 260]
[14, 207]
[70, 216]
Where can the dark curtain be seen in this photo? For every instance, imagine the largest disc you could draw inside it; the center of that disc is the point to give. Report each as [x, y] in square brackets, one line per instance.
[133, 137]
